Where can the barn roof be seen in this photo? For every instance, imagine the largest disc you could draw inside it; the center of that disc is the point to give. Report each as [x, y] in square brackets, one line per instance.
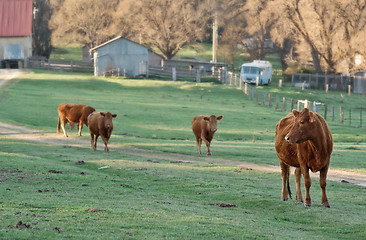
[16, 18]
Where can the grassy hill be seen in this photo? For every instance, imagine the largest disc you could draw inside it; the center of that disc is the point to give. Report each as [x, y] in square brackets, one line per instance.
[156, 186]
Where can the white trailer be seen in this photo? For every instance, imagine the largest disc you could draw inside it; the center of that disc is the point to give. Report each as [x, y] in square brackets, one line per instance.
[257, 70]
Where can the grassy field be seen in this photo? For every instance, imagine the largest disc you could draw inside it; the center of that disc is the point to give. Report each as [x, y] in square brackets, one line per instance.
[153, 197]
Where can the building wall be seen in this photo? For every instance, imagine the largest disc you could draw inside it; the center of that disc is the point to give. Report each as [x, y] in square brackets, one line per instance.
[25, 41]
[120, 54]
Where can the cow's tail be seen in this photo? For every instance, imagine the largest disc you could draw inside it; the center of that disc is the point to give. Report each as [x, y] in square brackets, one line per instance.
[288, 185]
[58, 125]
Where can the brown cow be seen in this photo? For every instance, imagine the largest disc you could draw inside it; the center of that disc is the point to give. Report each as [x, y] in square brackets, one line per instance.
[204, 128]
[100, 124]
[73, 113]
[303, 140]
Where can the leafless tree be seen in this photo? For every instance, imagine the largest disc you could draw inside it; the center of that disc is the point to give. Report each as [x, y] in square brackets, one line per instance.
[83, 21]
[167, 25]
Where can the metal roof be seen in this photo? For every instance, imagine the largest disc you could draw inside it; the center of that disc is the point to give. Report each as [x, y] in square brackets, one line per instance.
[16, 18]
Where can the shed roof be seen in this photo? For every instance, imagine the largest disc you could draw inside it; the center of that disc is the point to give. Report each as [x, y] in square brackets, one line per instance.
[112, 40]
[16, 18]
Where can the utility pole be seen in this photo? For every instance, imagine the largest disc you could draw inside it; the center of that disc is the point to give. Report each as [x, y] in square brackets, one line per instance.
[214, 39]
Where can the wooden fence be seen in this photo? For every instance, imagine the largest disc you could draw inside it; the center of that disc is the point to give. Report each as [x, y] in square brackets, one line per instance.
[331, 112]
[72, 66]
[185, 74]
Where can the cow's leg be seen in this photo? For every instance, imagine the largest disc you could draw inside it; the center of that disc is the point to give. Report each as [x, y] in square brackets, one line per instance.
[199, 143]
[323, 184]
[207, 145]
[285, 174]
[63, 122]
[105, 140]
[92, 141]
[307, 180]
[298, 185]
[95, 142]
[80, 127]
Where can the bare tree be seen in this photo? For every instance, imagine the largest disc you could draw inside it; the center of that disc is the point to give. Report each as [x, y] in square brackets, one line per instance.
[168, 25]
[353, 31]
[83, 21]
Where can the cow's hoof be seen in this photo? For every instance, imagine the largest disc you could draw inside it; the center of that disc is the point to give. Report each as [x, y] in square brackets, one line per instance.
[307, 204]
[208, 154]
[284, 199]
[326, 205]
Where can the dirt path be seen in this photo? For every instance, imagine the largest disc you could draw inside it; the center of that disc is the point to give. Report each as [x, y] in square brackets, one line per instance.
[9, 131]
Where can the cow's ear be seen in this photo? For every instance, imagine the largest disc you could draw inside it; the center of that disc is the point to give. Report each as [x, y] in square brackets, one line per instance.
[114, 115]
[102, 113]
[311, 117]
[219, 117]
[295, 113]
[206, 119]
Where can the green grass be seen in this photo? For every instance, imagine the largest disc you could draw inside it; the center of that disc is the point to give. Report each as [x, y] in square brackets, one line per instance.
[151, 197]
[72, 52]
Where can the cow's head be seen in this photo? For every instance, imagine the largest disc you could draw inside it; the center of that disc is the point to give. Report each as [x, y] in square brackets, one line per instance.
[303, 128]
[212, 122]
[107, 116]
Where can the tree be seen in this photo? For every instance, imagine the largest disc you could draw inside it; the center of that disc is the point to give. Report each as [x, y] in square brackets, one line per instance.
[41, 32]
[167, 25]
[84, 21]
[259, 23]
[330, 30]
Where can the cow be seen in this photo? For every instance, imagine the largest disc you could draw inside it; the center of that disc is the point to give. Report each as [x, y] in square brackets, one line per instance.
[73, 113]
[100, 124]
[204, 128]
[303, 140]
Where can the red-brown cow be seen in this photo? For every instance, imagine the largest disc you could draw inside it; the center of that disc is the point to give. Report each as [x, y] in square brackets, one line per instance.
[204, 128]
[303, 140]
[73, 113]
[100, 124]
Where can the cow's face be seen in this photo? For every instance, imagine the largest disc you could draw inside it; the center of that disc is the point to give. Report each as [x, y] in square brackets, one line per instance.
[107, 116]
[303, 129]
[212, 122]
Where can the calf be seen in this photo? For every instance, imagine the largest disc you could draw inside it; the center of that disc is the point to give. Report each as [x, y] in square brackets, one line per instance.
[100, 124]
[303, 140]
[73, 113]
[204, 128]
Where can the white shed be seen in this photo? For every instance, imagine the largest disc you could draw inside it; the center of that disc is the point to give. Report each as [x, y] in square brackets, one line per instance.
[121, 55]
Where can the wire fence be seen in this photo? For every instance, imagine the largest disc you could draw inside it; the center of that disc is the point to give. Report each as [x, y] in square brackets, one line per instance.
[352, 116]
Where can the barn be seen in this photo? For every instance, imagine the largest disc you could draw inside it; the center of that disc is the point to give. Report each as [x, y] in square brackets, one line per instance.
[121, 56]
[15, 32]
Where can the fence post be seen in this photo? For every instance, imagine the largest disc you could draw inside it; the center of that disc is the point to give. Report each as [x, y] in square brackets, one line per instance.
[257, 81]
[198, 76]
[256, 95]
[349, 90]
[280, 83]
[350, 116]
[325, 111]
[269, 100]
[241, 84]
[292, 104]
[360, 117]
[277, 100]
[326, 88]
[235, 80]
[284, 104]
[245, 88]
[341, 114]
[174, 73]
[333, 113]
